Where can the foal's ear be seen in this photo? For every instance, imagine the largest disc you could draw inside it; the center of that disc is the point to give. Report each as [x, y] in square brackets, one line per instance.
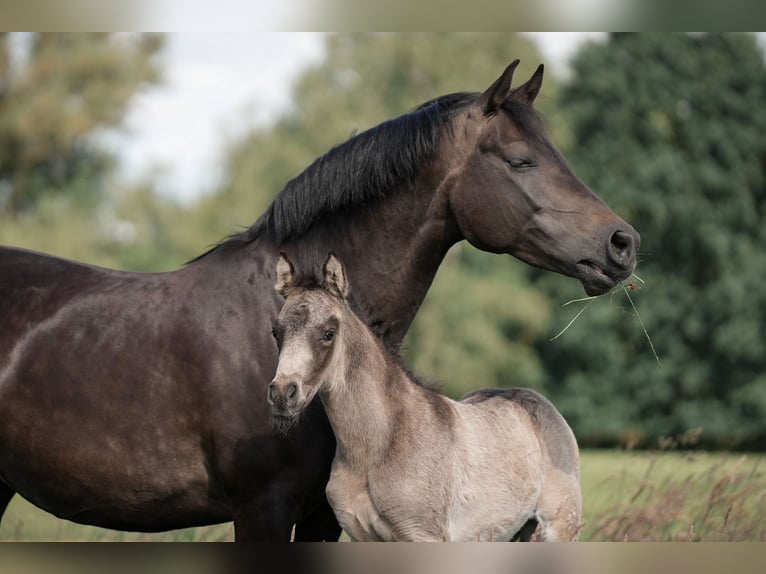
[335, 277]
[528, 91]
[285, 275]
[495, 95]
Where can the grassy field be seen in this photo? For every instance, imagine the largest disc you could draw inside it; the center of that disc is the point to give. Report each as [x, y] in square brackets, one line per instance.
[659, 496]
[672, 496]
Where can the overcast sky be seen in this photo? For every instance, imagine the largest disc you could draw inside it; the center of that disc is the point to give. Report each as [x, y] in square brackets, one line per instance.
[220, 85]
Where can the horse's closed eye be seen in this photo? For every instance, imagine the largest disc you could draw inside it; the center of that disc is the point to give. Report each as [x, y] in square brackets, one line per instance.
[520, 163]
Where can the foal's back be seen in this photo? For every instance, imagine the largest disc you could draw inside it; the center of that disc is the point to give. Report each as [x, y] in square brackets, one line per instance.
[539, 457]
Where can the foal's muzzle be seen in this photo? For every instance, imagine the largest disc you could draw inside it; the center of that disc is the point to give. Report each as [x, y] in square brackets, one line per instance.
[283, 398]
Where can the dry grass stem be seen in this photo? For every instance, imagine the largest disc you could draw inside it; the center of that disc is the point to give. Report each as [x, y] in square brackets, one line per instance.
[580, 312]
[611, 294]
[640, 322]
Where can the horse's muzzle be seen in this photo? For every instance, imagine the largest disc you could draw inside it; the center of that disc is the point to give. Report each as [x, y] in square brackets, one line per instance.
[598, 277]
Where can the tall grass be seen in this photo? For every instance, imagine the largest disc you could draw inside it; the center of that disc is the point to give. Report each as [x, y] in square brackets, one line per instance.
[642, 496]
[670, 496]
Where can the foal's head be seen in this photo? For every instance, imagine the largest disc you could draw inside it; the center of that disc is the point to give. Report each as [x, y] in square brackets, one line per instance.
[307, 332]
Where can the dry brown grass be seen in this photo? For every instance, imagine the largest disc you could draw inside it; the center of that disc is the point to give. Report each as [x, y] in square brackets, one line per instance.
[714, 499]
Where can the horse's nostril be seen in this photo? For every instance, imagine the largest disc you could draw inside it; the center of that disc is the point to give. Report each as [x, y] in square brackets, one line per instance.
[272, 390]
[292, 389]
[621, 246]
[622, 240]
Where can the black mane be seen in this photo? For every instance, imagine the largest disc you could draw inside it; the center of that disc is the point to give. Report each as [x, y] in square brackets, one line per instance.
[361, 169]
[365, 167]
[358, 170]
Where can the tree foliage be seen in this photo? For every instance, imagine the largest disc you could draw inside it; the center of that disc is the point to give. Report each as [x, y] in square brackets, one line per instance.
[478, 324]
[57, 93]
[669, 129]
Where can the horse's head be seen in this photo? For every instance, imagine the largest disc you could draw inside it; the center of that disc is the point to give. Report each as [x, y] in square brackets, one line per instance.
[307, 333]
[514, 193]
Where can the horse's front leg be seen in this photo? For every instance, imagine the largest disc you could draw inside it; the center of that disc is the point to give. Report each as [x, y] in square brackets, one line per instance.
[6, 493]
[320, 525]
[268, 518]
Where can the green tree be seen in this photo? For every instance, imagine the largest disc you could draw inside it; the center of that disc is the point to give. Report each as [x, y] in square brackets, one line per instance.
[58, 92]
[478, 324]
[669, 129]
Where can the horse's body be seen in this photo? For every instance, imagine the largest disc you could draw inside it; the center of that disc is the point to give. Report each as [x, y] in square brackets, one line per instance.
[137, 401]
[412, 464]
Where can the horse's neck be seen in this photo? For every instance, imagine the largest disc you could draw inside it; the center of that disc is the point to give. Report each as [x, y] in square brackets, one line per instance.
[358, 398]
[392, 253]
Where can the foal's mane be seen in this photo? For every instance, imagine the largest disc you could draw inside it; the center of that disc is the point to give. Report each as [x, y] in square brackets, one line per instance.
[366, 167]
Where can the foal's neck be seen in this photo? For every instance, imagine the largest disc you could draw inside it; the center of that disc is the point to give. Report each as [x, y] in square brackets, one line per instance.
[366, 395]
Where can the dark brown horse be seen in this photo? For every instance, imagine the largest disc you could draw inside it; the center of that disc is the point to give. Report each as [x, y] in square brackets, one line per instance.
[138, 401]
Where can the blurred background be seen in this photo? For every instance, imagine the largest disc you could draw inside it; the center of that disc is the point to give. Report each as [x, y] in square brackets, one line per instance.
[138, 151]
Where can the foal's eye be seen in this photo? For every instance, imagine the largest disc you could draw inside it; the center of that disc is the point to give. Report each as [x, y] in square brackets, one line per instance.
[273, 332]
[329, 335]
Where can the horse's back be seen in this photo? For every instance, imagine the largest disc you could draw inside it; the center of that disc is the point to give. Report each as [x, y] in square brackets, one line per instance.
[42, 294]
[21, 267]
[33, 287]
[33, 283]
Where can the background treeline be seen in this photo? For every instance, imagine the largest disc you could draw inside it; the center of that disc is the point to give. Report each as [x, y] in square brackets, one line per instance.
[669, 129]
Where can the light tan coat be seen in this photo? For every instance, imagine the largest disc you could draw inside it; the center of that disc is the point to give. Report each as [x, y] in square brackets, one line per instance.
[412, 464]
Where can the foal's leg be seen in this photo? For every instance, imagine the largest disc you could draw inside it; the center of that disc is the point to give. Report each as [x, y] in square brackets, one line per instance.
[527, 531]
[559, 509]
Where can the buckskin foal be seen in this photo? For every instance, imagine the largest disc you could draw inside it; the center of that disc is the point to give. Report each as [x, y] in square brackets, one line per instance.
[412, 464]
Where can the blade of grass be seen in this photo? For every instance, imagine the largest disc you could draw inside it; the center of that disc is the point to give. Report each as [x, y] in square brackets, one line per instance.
[580, 312]
[640, 322]
[582, 299]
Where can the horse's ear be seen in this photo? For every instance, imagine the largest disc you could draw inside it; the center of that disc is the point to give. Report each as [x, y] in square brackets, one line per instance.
[528, 91]
[335, 276]
[495, 95]
[285, 275]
